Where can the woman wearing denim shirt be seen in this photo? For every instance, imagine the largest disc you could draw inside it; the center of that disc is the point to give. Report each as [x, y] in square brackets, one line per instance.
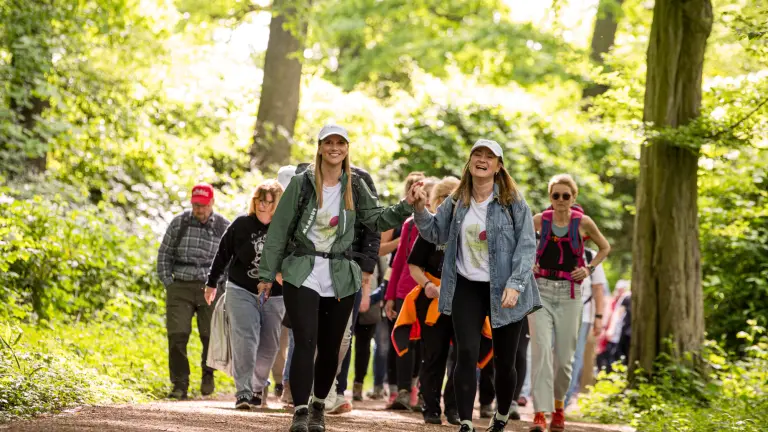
[488, 271]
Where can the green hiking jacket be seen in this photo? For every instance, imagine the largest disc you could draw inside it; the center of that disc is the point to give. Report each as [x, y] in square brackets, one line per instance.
[346, 276]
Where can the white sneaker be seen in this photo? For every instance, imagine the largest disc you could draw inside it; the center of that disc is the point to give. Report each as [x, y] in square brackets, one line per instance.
[339, 406]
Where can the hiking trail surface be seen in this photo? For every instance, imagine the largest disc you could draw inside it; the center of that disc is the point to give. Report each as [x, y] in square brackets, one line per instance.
[218, 414]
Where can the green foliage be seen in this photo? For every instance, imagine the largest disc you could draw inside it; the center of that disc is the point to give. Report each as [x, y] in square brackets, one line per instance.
[383, 42]
[730, 394]
[62, 257]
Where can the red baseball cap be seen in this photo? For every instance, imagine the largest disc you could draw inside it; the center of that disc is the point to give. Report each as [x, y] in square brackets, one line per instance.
[202, 194]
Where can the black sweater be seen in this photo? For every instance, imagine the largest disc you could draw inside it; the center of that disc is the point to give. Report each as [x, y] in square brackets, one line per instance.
[241, 247]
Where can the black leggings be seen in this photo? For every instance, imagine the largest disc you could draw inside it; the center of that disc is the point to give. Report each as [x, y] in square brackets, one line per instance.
[317, 323]
[409, 364]
[473, 304]
[363, 336]
[487, 391]
[436, 344]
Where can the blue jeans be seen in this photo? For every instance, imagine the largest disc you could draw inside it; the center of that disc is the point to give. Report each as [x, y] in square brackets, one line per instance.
[380, 352]
[578, 361]
[288, 356]
[255, 337]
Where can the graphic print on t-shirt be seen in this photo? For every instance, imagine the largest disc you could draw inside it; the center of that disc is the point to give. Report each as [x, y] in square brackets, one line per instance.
[326, 226]
[477, 242]
[258, 246]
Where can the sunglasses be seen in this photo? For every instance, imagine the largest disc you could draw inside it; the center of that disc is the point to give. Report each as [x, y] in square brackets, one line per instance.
[556, 196]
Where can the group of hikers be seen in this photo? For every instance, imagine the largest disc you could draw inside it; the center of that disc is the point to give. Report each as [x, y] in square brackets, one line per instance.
[474, 275]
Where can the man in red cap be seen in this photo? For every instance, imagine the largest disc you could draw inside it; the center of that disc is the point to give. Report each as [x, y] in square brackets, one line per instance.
[183, 261]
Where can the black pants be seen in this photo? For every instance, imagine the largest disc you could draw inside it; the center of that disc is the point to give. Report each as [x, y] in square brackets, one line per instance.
[472, 301]
[435, 343]
[408, 365]
[487, 374]
[363, 336]
[184, 300]
[318, 323]
[391, 357]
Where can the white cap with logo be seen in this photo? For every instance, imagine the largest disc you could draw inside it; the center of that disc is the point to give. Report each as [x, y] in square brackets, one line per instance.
[329, 130]
[489, 144]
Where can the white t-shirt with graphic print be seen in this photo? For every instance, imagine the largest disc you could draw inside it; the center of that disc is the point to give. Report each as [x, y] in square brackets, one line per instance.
[323, 234]
[472, 262]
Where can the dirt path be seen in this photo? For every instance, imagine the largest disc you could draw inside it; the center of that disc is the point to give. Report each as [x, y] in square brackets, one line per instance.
[219, 415]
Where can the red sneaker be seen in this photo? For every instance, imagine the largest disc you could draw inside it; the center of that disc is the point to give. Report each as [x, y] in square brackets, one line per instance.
[539, 423]
[522, 401]
[558, 421]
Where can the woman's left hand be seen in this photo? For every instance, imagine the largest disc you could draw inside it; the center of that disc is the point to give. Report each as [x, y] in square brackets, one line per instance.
[509, 298]
[580, 274]
[210, 294]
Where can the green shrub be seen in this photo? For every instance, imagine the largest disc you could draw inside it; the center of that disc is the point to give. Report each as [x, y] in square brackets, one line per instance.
[731, 394]
[63, 257]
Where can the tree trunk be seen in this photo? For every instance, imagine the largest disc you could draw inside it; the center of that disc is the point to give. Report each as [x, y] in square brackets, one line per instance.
[603, 37]
[667, 299]
[279, 102]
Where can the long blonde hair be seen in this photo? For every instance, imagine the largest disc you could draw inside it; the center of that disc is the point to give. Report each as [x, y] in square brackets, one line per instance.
[269, 187]
[443, 190]
[508, 190]
[349, 201]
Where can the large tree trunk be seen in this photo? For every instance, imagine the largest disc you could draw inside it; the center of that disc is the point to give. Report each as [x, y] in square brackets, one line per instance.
[603, 37]
[667, 300]
[279, 102]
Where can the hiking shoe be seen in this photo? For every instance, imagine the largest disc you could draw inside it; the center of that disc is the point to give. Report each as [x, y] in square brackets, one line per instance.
[496, 425]
[256, 401]
[453, 417]
[316, 421]
[487, 411]
[178, 394]
[279, 390]
[377, 393]
[414, 396]
[300, 419]
[339, 406]
[522, 401]
[432, 418]
[558, 421]
[287, 396]
[402, 401]
[357, 392]
[466, 428]
[243, 403]
[419, 406]
[514, 414]
[207, 385]
[539, 423]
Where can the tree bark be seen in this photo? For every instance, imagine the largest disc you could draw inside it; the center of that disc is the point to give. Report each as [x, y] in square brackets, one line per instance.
[667, 299]
[603, 37]
[280, 90]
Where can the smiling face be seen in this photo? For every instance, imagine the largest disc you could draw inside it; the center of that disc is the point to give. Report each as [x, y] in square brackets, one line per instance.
[483, 163]
[562, 197]
[333, 149]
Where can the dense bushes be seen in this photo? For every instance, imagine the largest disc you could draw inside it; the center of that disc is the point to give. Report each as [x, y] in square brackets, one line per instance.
[64, 257]
[729, 394]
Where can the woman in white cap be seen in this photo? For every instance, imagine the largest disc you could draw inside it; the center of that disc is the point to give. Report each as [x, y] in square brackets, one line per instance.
[490, 249]
[309, 242]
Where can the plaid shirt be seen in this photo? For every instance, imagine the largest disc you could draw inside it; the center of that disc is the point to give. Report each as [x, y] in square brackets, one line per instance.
[196, 251]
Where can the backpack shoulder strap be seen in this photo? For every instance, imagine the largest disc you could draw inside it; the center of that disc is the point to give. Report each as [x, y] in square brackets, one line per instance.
[182, 229]
[576, 242]
[356, 189]
[546, 229]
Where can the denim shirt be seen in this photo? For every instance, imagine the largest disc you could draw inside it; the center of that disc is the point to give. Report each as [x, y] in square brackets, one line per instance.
[511, 254]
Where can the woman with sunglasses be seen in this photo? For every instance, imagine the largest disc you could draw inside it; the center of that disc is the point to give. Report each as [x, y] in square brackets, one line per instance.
[560, 268]
[487, 228]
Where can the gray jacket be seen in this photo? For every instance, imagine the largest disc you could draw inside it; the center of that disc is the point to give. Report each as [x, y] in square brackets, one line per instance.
[511, 254]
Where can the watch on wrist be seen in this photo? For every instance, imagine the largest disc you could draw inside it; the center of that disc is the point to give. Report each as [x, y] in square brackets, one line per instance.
[591, 268]
[599, 316]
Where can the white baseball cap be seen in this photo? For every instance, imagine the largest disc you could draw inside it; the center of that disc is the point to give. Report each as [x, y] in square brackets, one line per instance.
[329, 130]
[489, 144]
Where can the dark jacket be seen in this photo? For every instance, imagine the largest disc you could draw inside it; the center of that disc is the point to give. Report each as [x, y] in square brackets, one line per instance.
[367, 241]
